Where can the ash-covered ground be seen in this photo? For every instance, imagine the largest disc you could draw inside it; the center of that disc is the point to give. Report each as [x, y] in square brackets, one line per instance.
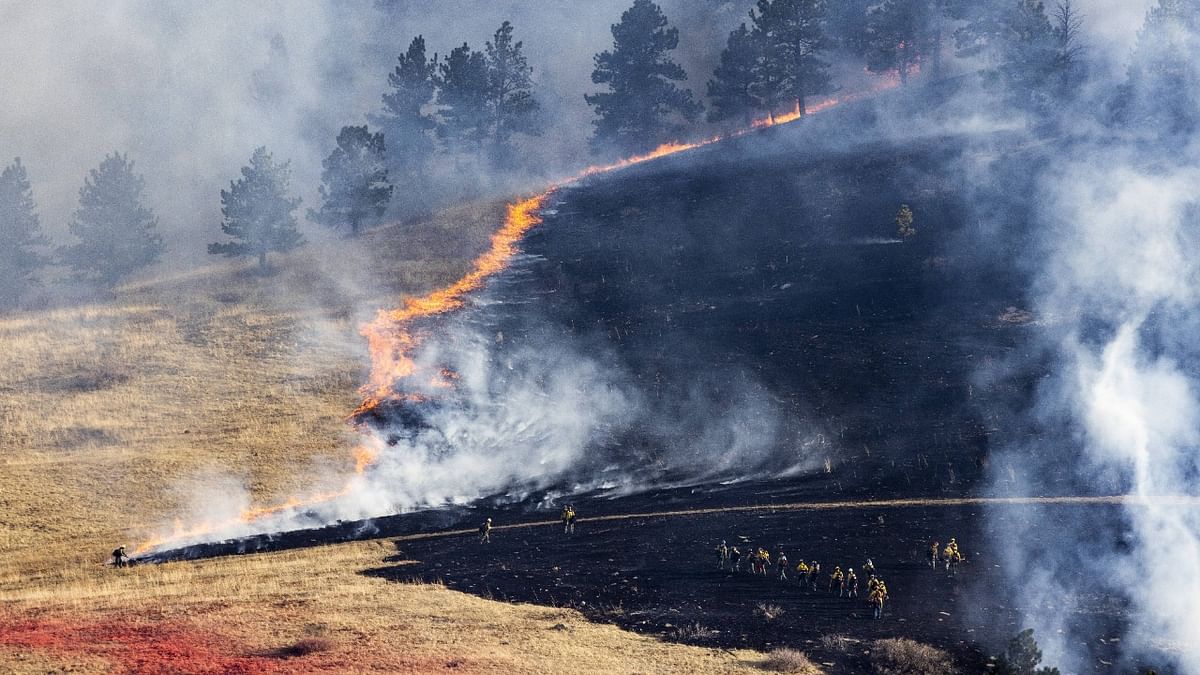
[761, 283]
[659, 575]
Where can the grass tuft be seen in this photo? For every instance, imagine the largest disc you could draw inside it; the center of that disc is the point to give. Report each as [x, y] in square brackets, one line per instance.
[788, 660]
[901, 656]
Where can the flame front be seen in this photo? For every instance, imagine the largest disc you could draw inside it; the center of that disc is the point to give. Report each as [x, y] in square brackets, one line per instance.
[392, 338]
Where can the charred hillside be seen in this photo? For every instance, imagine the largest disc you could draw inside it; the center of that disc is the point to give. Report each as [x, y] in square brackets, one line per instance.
[763, 270]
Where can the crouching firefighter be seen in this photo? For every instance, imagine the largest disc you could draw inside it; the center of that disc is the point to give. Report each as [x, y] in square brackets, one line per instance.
[120, 557]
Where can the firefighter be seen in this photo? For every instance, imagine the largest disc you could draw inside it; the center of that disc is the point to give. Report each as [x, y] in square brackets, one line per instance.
[952, 557]
[802, 572]
[735, 559]
[836, 579]
[933, 554]
[120, 557]
[782, 563]
[485, 532]
[565, 517]
[868, 567]
[814, 574]
[851, 584]
[877, 597]
[571, 517]
[761, 560]
[722, 555]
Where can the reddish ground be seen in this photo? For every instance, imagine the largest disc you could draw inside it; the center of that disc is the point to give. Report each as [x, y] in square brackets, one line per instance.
[144, 646]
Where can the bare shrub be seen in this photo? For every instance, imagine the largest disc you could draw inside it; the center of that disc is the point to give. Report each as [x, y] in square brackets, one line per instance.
[305, 646]
[900, 656]
[836, 643]
[693, 632]
[769, 612]
[788, 660]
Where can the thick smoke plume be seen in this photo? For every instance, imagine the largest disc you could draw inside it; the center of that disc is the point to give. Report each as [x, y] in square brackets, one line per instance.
[1116, 222]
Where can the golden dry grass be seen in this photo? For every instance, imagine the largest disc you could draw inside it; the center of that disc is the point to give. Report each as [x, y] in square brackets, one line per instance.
[113, 414]
[270, 601]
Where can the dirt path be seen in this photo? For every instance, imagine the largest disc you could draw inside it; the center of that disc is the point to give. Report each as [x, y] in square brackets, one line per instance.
[1125, 500]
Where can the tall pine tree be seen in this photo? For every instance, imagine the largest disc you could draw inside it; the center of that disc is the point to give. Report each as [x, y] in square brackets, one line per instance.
[902, 35]
[1034, 60]
[354, 180]
[463, 99]
[731, 91]
[117, 234]
[510, 93]
[20, 236]
[1161, 94]
[404, 122]
[257, 211]
[643, 106]
[792, 36]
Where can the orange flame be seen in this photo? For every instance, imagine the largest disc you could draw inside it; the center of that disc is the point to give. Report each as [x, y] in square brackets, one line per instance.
[390, 339]
[392, 342]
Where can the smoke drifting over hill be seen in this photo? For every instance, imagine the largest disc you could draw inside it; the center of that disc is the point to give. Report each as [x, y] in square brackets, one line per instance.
[189, 91]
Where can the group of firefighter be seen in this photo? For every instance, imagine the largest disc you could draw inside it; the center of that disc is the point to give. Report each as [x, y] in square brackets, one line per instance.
[568, 518]
[758, 561]
[950, 556]
[808, 574]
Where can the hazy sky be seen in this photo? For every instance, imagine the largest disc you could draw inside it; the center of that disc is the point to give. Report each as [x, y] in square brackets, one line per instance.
[190, 89]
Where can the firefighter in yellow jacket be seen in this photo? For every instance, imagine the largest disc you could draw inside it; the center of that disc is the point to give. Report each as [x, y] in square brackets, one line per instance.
[877, 596]
[802, 572]
[836, 579]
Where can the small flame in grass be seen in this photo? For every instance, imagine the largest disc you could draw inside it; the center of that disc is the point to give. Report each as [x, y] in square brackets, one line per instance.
[392, 337]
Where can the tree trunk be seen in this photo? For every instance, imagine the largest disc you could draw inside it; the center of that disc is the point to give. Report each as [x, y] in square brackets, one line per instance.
[262, 260]
[800, 105]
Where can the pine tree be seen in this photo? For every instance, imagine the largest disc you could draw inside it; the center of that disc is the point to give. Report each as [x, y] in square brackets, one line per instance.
[1161, 93]
[354, 180]
[404, 122]
[510, 93]
[643, 105]
[257, 211]
[1035, 60]
[463, 99]
[117, 235]
[792, 36]
[1022, 657]
[901, 35]
[20, 235]
[1029, 52]
[731, 90]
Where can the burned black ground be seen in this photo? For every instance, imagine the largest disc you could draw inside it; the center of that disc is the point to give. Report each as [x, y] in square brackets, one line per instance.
[659, 576]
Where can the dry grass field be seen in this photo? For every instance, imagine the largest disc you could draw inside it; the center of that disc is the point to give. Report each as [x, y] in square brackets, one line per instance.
[114, 415]
[309, 611]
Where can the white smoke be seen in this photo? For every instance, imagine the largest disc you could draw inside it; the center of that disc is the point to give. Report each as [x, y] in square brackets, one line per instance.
[1122, 282]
